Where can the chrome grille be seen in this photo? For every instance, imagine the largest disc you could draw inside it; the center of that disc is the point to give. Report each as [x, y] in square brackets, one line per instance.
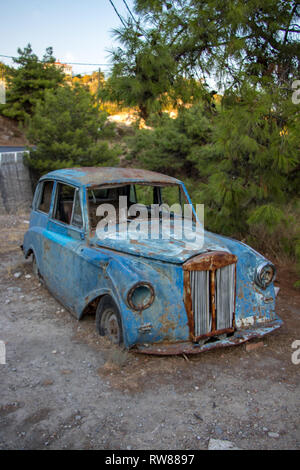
[224, 297]
[201, 299]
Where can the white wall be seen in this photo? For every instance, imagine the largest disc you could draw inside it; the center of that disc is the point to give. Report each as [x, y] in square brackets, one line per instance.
[15, 184]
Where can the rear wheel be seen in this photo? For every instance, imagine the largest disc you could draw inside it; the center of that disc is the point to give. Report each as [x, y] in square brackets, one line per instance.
[108, 320]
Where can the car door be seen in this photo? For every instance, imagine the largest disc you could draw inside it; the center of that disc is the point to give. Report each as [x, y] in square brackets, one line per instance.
[41, 207]
[62, 243]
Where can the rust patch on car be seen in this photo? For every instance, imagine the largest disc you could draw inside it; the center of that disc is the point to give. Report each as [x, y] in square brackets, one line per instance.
[209, 261]
[188, 302]
[167, 324]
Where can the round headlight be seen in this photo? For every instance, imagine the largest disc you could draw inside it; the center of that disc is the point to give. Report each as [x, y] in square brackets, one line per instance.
[141, 296]
[265, 274]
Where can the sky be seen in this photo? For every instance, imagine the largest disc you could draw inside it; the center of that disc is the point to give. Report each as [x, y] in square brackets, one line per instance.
[78, 30]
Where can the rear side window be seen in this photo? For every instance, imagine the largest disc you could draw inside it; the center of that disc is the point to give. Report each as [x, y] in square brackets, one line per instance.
[45, 197]
[68, 209]
[77, 215]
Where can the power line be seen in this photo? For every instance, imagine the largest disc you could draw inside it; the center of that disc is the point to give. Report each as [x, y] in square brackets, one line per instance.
[130, 12]
[82, 63]
[64, 62]
[120, 17]
[132, 16]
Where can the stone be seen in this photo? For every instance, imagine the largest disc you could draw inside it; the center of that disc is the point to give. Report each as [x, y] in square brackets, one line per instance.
[275, 435]
[47, 382]
[218, 444]
[66, 371]
[253, 346]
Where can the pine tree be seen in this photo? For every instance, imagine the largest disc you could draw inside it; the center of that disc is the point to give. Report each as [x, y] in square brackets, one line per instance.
[227, 37]
[28, 82]
[251, 163]
[146, 75]
[173, 45]
[170, 146]
[68, 130]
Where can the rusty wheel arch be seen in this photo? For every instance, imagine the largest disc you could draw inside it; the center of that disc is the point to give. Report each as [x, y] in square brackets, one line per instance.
[91, 306]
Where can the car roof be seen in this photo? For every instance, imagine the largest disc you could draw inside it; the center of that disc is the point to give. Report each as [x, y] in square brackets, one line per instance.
[94, 176]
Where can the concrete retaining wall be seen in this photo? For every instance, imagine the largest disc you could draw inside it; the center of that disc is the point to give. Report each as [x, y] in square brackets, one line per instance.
[15, 184]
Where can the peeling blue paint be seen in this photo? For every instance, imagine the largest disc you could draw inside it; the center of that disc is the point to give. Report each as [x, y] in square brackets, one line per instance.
[78, 268]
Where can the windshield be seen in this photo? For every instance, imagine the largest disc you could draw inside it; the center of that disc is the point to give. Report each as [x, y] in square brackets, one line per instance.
[135, 200]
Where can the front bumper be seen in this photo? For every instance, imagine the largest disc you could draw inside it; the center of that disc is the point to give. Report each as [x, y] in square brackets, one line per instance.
[238, 337]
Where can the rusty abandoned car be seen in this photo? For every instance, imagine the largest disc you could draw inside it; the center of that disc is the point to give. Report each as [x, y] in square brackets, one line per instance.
[158, 296]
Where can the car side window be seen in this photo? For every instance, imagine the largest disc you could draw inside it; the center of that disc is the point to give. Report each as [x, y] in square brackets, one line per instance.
[77, 214]
[45, 197]
[67, 208]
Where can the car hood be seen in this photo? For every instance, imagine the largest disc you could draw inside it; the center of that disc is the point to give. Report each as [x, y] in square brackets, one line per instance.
[164, 248]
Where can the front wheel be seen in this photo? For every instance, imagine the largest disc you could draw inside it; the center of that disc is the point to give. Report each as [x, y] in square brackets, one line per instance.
[108, 320]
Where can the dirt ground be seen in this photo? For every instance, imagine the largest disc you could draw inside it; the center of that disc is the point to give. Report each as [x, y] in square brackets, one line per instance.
[10, 133]
[64, 387]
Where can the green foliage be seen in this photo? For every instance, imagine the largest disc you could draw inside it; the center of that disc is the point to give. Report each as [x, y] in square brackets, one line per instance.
[258, 38]
[146, 75]
[250, 163]
[68, 130]
[267, 215]
[173, 47]
[5, 71]
[172, 145]
[28, 82]
[277, 232]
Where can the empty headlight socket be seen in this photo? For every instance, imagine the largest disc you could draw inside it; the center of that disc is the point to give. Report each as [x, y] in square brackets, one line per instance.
[139, 308]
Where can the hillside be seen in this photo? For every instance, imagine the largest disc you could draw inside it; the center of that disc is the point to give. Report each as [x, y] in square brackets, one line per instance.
[10, 133]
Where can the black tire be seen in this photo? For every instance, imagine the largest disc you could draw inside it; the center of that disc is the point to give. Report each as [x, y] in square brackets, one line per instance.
[35, 268]
[108, 320]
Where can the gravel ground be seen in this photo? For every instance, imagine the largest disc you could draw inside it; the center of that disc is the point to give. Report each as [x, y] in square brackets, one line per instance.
[64, 387]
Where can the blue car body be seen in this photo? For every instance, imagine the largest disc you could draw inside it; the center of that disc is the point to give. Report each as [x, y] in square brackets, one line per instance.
[79, 269]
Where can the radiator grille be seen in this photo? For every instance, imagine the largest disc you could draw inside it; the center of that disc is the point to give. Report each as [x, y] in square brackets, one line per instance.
[224, 296]
[200, 301]
[202, 295]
